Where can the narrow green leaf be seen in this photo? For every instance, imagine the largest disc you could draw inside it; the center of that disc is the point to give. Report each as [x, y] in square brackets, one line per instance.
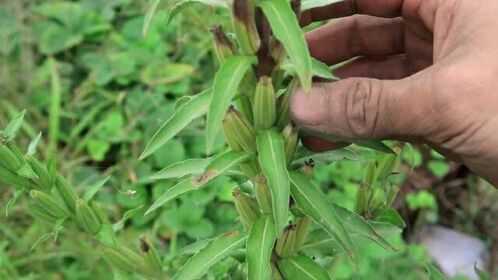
[193, 109]
[311, 200]
[357, 224]
[327, 157]
[393, 217]
[183, 168]
[302, 268]
[259, 248]
[321, 70]
[17, 194]
[434, 273]
[374, 145]
[310, 4]
[221, 247]
[286, 28]
[273, 164]
[151, 11]
[220, 165]
[225, 87]
[179, 7]
[128, 214]
[184, 186]
[92, 190]
[55, 105]
[13, 127]
[33, 145]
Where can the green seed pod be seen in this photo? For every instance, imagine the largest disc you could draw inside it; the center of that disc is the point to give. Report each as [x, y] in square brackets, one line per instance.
[244, 26]
[8, 159]
[40, 213]
[290, 136]
[97, 209]
[391, 195]
[67, 193]
[264, 104]
[223, 47]
[361, 201]
[150, 255]
[263, 194]
[283, 110]
[247, 207]
[302, 227]
[121, 258]
[370, 174]
[10, 178]
[386, 166]
[44, 181]
[87, 218]
[49, 203]
[245, 107]
[286, 243]
[240, 130]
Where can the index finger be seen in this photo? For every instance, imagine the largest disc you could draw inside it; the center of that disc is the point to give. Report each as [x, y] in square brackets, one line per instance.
[379, 8]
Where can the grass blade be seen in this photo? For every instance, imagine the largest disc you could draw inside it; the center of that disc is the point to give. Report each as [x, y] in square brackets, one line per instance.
[259, 248]
[312, 202]
[217, 250]
[287, 30]
[226, 84]
[273, 164]
[193, 109]
[301, 267]
[183, 168]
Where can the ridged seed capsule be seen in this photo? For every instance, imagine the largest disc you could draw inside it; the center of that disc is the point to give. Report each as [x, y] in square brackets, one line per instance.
[49, 203]
[223, 47]
[264, 108]
[240, 131]
[87, 217]
[247, 207]
[244, 26]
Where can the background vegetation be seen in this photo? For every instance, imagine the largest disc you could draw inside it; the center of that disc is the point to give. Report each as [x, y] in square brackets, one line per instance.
[97, 90]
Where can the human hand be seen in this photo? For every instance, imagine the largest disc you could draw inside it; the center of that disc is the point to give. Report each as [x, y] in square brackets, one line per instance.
[424, 71]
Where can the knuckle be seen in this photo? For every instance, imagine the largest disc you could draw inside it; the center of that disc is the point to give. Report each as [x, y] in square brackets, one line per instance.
[362, 103]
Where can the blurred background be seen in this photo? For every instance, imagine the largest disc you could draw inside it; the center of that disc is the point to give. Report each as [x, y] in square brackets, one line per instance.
[97, 90]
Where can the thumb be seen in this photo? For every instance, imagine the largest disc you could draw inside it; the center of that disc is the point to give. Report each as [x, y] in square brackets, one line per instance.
[359, 108]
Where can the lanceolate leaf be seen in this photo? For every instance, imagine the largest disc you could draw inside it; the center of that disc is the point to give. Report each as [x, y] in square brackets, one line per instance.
[286, 29]
[193, 109]
[221, 247]
[179, 7]
[273, 164]
[327, 157]
[183, 168]
[356, 224]
[300, 268]
[220, 165]
[225, 87]
[259, 248]
[310, 4]
[312, 202]
[321, 70]
[154, 4]
[184, 186]
[13, 127]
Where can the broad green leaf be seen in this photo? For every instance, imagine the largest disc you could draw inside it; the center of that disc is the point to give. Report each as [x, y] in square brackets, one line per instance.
[13, 127]
[184, 186]
[310, 4]
[220, 165]
[92, 190]
[259, 248]
[221, 247]
[434, 273]
[179, 7]
[193, 109]
[273, 165]
[286, 28]
[33, 145]
[183, 168]
[302, 268]
[311, 200]
[225, 87]
[357, 224]
[151, 11]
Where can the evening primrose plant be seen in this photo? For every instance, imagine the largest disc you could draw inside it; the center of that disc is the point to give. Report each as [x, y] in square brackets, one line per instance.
[263, 60]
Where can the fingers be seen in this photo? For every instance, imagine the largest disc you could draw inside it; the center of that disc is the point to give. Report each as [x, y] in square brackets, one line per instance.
[354, 36]
[380, 8]
[360, 108]
[317, 144]
[384, 68]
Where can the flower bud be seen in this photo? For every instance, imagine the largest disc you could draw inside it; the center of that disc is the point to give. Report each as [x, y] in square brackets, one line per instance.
[10, 178]
[150, 255]
[247, 207]
[263, 194]
[40, 213]
[245, 27]
[240, 131]
[43, 181]
[223, 47]
[264, 104]
[283, 110]
[285, 244]
[87, 217]
[48, 203]
[290, 136]
[67, 193]
[8, 159]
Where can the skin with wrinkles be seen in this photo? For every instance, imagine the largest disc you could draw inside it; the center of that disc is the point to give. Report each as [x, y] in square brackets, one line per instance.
[418, 70]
